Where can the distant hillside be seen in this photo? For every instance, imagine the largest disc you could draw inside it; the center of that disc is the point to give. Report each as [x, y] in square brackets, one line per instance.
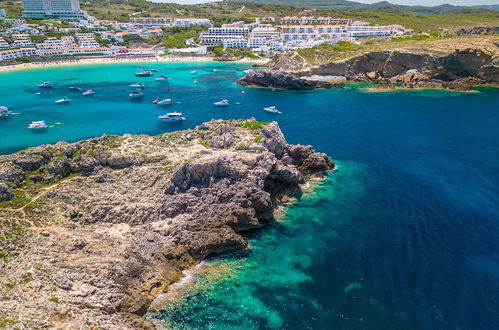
[382, 6]
[229, 11]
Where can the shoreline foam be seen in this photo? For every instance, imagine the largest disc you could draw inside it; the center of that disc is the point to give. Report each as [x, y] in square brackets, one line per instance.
[113, 60]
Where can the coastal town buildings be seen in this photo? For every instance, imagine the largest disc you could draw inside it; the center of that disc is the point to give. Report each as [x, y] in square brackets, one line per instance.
[79, 35]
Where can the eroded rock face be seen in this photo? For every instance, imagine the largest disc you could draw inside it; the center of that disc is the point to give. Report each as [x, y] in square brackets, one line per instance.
[416, 68]
[5, 193]
[111, 221]
[282, 80]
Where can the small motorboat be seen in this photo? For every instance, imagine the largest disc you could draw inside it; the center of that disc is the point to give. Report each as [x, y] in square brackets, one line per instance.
[194, 72]
[74, 88]
[64, 100]
[58, 123]
[151, 69]
[88, 92]
[4, 112]
[215, 70]
[165, 102]
[160, 78]
[138, 93]
[136, 85]
[242, 92]
[38, 125]
[143, 73]
[237, 103]
[272, 109]
[222, 103]
[46, 84]
[195, 81]
[172, 116]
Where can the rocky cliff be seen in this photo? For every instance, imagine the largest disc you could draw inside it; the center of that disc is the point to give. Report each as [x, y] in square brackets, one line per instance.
[447, 65]
[91, 232]
[469, 66]
[282, 80]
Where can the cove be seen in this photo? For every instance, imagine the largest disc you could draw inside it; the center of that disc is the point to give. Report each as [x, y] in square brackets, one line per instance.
[403, 235]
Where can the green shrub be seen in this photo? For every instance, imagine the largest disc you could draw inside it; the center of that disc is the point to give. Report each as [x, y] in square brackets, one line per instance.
[254, 125]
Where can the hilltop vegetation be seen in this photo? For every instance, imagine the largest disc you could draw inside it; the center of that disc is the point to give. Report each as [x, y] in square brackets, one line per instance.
[225, 12]
[382, 6]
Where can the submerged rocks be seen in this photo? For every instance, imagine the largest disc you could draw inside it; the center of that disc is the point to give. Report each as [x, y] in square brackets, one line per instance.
[282, 80]
[127, 214]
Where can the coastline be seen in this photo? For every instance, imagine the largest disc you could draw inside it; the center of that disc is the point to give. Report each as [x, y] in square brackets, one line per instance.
[114, 60]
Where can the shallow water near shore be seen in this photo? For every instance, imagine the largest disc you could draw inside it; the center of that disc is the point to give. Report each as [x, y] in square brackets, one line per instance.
[404, 235]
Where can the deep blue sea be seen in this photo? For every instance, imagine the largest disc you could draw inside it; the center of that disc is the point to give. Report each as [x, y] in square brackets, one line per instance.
[405, 235]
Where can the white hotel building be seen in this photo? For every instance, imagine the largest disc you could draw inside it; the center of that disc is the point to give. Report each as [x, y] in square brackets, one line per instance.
[60, 9]
[218, 35]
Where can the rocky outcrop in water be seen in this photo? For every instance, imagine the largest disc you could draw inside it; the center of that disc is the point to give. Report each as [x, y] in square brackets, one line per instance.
[409, 67]
[91, 232]
[458, 69]
[282, 80]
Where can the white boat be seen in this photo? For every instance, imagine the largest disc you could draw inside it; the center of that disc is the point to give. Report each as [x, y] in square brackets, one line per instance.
[172, 116]
[194, 72]
[74, 88]
[46, 84]
[143, 73]
[159, 78]
[138, 93]
[63, 100]
[165, 102]
[4, 112]
[37, 125]
[136, 85]
[272, 109]
[88, 92]
[222, 103]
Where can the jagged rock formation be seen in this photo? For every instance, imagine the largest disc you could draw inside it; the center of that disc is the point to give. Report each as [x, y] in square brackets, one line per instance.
[459, 70]
[91, 232]
[481, 30]
[407, 67]
[282, 80]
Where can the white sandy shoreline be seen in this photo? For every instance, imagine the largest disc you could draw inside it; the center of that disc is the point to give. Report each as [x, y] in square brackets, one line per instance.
[112, 60]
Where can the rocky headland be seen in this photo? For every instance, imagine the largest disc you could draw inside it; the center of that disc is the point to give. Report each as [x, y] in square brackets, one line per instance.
[283, 80]
[447, 64]
[91, 232]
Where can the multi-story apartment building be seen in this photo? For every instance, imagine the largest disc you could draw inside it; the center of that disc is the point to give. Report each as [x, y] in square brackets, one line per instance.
[22, 40]
[61, 9]
[4, 44]
[313, 20]
[14, 53]
[87, 40]
[183, 22]
[2, 13]
[265, 19]
[218, 35]
[50, 43]
[266, 33]
[150, 22]
[235, 43]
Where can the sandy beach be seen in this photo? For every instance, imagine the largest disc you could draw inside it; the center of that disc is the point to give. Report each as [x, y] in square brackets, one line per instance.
[110, 60]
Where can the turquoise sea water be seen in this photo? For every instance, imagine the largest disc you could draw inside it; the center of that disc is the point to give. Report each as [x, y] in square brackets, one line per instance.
[404, 235]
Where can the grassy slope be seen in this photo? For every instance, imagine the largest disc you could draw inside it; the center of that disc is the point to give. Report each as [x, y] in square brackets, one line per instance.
[226, 12]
